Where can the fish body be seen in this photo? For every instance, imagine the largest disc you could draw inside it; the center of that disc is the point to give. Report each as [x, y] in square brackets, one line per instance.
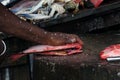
[62, 50]
[27, 5]
[111, 51]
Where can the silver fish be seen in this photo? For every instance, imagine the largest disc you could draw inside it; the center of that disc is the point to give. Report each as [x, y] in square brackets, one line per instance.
[35, 16]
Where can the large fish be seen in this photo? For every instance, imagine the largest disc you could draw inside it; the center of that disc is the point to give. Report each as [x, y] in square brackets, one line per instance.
[62, 50]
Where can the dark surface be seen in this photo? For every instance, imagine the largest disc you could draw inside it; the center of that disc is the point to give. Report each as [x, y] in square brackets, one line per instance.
[14, 45]
[82, 66]
[15, 73]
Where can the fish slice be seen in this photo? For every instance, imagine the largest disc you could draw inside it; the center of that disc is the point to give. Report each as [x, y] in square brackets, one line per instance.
[62, 50]
[110, 52]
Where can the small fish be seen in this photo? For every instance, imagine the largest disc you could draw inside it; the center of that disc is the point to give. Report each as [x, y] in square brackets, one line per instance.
[40, 4]
[62, 50]
[27, 5]
[56, 8]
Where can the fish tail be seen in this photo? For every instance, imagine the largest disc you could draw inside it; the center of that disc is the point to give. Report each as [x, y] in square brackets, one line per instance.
[16, 56]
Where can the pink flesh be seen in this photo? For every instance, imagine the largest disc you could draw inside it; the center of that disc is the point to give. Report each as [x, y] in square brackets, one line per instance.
[96, 3]
[49, 50]
[111, 51]
[43, 48]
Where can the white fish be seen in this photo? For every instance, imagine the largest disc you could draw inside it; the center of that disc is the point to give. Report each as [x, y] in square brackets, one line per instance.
[20, 8]
[56, 8]
[5, 2]
[35, 16]
[35, 7]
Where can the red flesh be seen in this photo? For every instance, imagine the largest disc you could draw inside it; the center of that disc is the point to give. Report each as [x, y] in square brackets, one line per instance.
[50, 50]
[111, 51]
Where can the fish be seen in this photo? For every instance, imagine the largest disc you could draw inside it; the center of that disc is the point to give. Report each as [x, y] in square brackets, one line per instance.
[61, 50]
[47, 9]
[31, 6]
[110, 51]
[30, 10]
[5, 2]
[40, 4]
[35, 16]
[56, 8]
[27, 5]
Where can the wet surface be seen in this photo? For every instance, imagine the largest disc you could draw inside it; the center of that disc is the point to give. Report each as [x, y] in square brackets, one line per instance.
[83, 66]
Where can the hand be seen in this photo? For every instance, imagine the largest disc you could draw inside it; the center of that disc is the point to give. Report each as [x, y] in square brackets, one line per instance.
[58, 38]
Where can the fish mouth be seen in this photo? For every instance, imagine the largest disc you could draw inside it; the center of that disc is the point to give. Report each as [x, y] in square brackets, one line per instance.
[3, 47]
